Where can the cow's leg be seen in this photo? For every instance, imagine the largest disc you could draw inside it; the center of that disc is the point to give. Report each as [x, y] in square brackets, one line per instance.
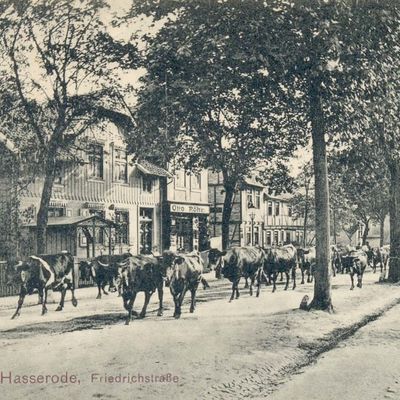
[287, 280]
[233, 291]
[352, 280]
[266, 277]
[193, 290]
[302, 276]
[74, 300]
[44, 300]
[129, 306]
[237, 288]
[246, 284]
[22, 295]
[281, 278]
[259, 272]
[178, 302]
[251, 285]
[40, 297]
[359, 280]
[103, 287]
[205, 283]
[99, 289]
[294, 277]
[63, 292]
[147, 296]
[160, 292]
[274, 276]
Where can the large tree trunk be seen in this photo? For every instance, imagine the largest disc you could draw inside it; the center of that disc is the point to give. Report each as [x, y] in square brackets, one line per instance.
[305, 220]
[394, 261]
[42, 216]
[334, 225]
[381, 231]
[226, 214]
[366, 232]
[322, 285]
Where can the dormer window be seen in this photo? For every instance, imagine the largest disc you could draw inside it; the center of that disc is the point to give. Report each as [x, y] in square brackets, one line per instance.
[147, 183]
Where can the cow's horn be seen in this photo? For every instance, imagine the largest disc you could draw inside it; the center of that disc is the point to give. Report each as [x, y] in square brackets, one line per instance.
[103, 265]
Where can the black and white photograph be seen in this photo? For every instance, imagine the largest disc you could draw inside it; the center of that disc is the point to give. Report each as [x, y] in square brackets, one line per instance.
[200, 199]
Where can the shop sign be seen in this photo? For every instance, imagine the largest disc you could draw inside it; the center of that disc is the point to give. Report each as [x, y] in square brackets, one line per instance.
[189, 209]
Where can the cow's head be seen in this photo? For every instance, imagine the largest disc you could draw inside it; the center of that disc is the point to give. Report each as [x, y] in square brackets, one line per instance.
[214, 261]
[84, 269]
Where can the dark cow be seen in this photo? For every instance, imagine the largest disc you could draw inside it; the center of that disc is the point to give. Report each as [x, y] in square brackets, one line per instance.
[281, 259]
[306, 259]
[185, 274]
[41, 273]
[240, 262]
[104, 271]
[355, 262]
[141, 273]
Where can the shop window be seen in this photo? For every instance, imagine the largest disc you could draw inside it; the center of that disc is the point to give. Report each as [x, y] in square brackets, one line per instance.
[257, 199]
[53, 212]
[184, 234]
[122, 234]
[120, 165]
[256, 236]
[298, 237]
[248, 237]
[96, 159]
[270, 208]
[146, 230]
[287, 237]
[269, 238]
[282, 236]
[147, 182]
[276, 237]
[277, 208]
[196, 181]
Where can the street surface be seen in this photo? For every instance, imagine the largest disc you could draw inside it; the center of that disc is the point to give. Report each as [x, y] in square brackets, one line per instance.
[250, 348]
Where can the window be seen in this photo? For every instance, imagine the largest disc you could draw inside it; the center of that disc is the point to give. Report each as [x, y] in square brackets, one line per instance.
[122, 219]
[289, 211]
[298, 237]
[196, 181]
[257, 199]
[250, 203]
[96, 155]
[287, 237]
[120, 166]
[269, 238]
[99, 234]
[180, 179]
[277, 208]
[282, 236]
[146, 230]
[256, 236]
[276, 237]
[147, 183]
[55, 212]
[270, 208]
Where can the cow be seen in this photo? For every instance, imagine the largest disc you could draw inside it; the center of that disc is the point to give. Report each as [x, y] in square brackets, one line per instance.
[306, 259]
[238, 262]
[355, 262]
[383, 256]
[104, 271]
[184, 274]
[141, 273]
[281, 259]
[43, 272]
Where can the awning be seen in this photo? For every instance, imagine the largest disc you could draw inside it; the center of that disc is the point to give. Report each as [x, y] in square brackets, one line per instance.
[57, 203]
[94, 206]
[149, 168]
[78, 221]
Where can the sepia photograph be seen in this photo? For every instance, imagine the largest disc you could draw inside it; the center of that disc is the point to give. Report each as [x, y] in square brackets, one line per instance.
[200, 199]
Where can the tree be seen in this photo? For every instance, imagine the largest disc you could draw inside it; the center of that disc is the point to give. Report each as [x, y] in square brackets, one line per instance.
[207, 96]
[59, 70]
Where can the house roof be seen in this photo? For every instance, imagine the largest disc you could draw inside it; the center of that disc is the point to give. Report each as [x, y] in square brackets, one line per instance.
[253, 182]
[76, 221]
[282, 196]
[149, 168]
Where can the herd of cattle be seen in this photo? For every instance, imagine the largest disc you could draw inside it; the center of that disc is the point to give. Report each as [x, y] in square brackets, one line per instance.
[130, 274]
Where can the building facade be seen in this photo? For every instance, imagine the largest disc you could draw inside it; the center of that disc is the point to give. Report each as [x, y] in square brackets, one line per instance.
[259, 217]
[107, 185]
[186, 212]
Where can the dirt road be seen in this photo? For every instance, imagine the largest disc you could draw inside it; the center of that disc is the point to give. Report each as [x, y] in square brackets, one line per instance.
[246, 348]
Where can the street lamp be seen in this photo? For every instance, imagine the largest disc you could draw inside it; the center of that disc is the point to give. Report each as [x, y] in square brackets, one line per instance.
[252, 216]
